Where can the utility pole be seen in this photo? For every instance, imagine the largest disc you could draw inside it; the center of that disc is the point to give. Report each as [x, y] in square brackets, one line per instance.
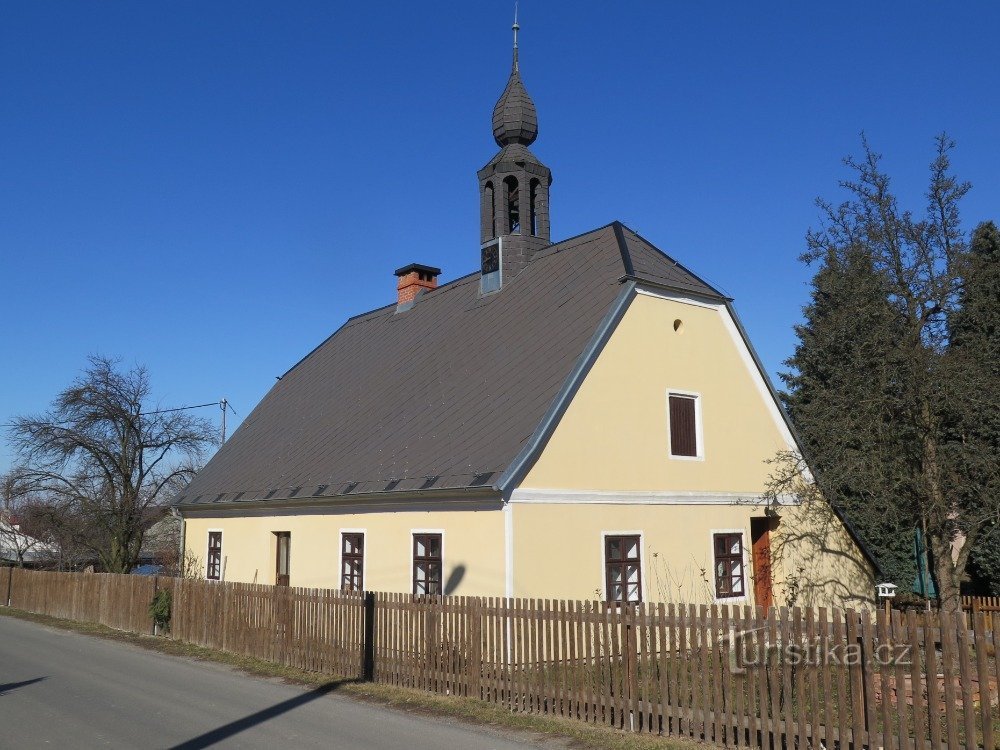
[223, 405]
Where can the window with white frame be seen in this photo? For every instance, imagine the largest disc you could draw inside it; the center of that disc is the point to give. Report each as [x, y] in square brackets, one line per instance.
[729, 569]
[213, 570]
[623, 568]
[427, 564]
[683, 415]
[352, 561]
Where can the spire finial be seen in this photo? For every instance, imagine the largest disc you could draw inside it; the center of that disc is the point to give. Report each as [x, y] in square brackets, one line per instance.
[514, 117]
[515, 28]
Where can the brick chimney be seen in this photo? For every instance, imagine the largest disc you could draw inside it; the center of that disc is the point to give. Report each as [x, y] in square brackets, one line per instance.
[413, 279]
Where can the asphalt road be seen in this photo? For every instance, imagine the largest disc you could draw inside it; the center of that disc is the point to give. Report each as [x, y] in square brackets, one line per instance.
[65, 690]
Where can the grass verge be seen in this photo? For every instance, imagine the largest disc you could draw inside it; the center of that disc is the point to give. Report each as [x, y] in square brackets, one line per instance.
[468, 710]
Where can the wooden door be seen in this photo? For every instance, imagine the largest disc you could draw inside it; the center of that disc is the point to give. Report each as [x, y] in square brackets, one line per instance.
[760, 533]
[283, 557]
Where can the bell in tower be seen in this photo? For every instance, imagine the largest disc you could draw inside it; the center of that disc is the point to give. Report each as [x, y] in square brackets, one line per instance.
[513, 188]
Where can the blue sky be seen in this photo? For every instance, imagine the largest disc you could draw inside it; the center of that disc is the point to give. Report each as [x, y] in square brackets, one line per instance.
[212, 188]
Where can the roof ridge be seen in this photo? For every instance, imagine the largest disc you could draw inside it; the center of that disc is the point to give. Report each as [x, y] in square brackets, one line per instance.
[356, 318]
[623, 248]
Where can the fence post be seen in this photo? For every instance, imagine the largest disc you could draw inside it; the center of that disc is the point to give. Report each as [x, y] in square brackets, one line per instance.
[630, 647]
[10, 577]
[475, 633]
[368, 669]
[156, 589]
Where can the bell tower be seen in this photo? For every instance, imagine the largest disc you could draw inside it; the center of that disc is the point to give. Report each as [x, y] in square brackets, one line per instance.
[513, 188]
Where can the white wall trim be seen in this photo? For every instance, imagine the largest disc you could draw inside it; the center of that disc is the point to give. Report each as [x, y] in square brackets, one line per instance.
[642, 560]
[677, 297]
[758, 379]
[699, 433]
[746, 567]
[629, 497]
[409, 562]
[340, 555]
[508, 549]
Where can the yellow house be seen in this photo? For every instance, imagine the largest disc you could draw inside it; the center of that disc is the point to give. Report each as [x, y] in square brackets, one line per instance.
[575, 420]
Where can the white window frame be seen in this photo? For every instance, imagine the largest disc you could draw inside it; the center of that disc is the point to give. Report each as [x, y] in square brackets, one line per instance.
[410, 562]
[699, 435]
[340, 555]
[222, 554]
[711, 566]
[642, 563]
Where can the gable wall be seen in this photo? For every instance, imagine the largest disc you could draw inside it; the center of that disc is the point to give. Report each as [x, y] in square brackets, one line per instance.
[606, 468]
[614, 434]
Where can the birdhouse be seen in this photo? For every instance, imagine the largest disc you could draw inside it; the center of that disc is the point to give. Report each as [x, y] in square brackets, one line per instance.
[886, 590]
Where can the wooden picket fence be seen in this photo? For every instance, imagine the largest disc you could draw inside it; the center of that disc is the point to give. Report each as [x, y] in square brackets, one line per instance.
[731, 676]
[319, 630]
[117, 601]
[981, 603]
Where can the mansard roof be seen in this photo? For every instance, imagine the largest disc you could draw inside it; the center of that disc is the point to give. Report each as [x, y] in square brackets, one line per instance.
[442, 397]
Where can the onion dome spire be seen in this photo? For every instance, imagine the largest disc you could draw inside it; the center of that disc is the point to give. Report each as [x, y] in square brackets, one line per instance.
[514, 116]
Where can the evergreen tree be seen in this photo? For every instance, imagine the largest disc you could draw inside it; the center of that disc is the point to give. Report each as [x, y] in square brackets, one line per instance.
[895, 409]
[849, 328]
[975, 352]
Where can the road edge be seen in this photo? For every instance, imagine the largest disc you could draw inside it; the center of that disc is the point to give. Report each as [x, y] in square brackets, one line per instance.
[464, 710]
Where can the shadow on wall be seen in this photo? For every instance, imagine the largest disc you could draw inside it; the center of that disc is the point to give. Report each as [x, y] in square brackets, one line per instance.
[819, 562]
[455, 578]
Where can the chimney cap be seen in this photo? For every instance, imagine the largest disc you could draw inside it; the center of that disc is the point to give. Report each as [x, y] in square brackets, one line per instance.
[430, 270]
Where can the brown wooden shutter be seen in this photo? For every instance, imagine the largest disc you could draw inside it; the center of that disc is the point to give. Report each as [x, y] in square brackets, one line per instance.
[683, 435]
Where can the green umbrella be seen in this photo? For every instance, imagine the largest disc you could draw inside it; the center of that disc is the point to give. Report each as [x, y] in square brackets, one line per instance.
[923, 584]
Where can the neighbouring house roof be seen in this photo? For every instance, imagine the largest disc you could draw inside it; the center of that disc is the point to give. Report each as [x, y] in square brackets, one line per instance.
[442, 396]
[16, 546]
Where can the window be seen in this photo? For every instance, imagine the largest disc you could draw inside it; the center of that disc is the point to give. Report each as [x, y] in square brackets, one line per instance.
[352, 561]
[728, 565]
[683, 412]
[284, 553]
[623, 568]
[427, 564]
[214, 570]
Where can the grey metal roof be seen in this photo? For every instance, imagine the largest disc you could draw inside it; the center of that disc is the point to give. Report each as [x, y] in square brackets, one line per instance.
[514, 117]
[442, 396]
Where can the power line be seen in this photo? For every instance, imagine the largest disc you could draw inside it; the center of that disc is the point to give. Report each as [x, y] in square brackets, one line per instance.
[179, 408]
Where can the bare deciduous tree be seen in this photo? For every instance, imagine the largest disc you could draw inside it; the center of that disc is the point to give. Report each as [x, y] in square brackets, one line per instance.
[104, 455]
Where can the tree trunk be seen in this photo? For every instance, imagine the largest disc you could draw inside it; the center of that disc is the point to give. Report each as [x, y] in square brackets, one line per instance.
[948, 576]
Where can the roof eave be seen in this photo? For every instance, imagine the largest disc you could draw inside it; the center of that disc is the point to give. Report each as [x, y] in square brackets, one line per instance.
[515, 472]
[652, 284]
[852, 532]
[456, 494]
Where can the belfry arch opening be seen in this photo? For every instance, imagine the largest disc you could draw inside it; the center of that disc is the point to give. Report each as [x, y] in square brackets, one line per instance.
[512, 204]
[491, 208]
[533, 202]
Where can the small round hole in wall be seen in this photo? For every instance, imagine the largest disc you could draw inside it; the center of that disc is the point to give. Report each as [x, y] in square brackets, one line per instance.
[678, 326]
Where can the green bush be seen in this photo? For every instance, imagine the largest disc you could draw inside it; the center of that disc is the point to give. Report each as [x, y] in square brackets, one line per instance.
[159, 609]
